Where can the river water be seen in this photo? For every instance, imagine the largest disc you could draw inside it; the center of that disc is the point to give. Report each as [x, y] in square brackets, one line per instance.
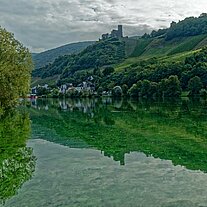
[104, 152]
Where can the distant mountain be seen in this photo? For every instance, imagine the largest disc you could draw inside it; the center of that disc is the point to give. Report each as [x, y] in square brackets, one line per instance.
[44, 58]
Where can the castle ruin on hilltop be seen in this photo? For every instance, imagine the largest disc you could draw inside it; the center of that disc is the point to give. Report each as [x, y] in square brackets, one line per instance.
[114, 33]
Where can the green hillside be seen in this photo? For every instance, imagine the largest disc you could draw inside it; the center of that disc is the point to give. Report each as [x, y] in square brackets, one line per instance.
[174, 50]
[150, 59]
[44, 58]
[160, 47]
[103, 53]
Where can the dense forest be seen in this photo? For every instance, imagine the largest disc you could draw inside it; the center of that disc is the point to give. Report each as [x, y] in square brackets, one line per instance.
[155, 78]
[190, 26]
[49, 56]
[95, 56]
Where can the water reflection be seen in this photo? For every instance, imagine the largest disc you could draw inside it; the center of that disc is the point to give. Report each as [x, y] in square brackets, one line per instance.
[17, 162]
[174, 131]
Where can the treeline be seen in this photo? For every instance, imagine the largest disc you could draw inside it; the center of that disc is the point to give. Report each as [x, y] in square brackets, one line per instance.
[94, 56]
[150, 78]
[190, 26]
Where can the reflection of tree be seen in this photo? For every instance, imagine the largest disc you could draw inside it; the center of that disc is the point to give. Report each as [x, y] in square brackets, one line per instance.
[169, 130]
[17, 162]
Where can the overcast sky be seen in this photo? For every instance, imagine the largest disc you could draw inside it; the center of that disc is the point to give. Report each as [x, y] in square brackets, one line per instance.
[45, 24]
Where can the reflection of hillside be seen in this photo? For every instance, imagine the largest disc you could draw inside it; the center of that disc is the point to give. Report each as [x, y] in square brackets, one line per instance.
[174, 131]
[16, 160]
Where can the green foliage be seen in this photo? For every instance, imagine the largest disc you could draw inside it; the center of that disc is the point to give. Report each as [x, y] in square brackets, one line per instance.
[17, 162]
[187, 44]
[42, 91]
[125, 89]
[172, 87]
[15, 69]
[100, 54]
[117, 91]
[134, 91]
[140, 47]
[100, 91]
[54, 93]
[203, 93]
[190, 26]
[167, 130]
[108, 71]
[195, 85]
[44, 58]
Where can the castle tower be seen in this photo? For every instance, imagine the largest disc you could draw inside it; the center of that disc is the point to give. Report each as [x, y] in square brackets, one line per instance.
[120, 31]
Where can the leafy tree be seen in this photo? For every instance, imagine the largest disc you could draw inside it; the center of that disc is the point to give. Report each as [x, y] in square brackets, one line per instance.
[185, 77]
[173, 88]
[145, 88]
[153, 91]
[17, 162]
[100, 90]
[188, 27]
[135, 90]
[117, 91]
[195, 85]
[15, 69]
[108, 71]
[162, 87]
[42, 91]
[54, 93]
[125, 89]
[203, 93]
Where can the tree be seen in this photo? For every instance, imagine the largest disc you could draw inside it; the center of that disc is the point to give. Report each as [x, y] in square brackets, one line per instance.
[145, 88]
[117, 91]
[194, 86]
[135, 90]
[100, 91]
[173, 88]
[108, 71]
[17, 162]
[15, 69]
[203, 93]
[125, 89]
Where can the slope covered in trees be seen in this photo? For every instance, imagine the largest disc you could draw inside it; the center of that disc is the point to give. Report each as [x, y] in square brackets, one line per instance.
[97, 55]
[44, 58]
[190, 26]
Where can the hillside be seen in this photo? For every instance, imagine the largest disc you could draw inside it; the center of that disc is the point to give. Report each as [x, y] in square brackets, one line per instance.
[44, 58]
[152, 58]
[135, 50]
[172, 50]
[103, 53]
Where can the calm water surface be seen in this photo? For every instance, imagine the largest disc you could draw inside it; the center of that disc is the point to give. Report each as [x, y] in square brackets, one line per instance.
[94, 152]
